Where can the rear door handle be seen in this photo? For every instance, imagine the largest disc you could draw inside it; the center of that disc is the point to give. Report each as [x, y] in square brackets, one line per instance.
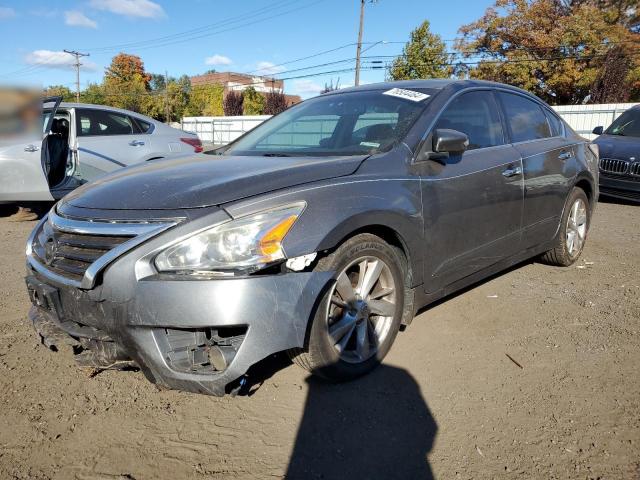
[565, 155]
[512, 172]
[136, 143]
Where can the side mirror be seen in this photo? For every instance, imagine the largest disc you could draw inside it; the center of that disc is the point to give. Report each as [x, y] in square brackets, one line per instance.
[598, 131]
[446, 140]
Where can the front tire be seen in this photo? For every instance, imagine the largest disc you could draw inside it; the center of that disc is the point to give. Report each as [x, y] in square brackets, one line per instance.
[359, 316]
[574, 227]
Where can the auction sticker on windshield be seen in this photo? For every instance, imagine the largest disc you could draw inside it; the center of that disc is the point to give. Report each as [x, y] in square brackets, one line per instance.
[407, 94]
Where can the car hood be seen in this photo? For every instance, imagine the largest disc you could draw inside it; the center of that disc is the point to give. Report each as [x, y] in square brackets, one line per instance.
[204, 181]
[617, 146]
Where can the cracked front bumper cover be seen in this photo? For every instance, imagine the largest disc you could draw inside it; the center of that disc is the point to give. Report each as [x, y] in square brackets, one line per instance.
[272, 310]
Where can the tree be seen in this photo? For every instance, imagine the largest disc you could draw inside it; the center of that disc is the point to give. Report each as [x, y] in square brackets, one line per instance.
[126, 83]
[253, 102]
[232, 105]
[205, 100]
[62, 91]
[424, 56]
[556, 49]
[94, 94]
[275, 102]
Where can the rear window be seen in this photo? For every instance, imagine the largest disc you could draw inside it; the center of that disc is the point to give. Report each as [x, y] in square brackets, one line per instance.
[525, 118]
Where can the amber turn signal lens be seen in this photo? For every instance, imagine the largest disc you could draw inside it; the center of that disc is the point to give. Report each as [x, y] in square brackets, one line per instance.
[270, 244]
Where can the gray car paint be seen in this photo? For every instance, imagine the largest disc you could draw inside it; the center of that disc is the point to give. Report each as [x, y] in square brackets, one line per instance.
[456, 223]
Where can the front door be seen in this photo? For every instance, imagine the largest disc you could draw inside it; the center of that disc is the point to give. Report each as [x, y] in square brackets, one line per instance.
[22, 155]
[473, 202]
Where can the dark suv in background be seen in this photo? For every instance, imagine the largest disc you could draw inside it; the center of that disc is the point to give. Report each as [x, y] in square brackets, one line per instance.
[620, 156]
[320, 232]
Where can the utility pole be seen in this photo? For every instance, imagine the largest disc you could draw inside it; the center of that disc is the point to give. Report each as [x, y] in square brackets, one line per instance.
[77, 65]
[359, 48]
[166, 97]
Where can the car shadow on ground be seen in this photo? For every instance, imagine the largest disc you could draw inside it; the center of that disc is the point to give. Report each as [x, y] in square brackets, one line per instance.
[378, 426]
[39, 208]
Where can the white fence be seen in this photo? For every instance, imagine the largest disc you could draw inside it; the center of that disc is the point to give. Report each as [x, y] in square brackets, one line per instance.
[222, 130]
[584, 118]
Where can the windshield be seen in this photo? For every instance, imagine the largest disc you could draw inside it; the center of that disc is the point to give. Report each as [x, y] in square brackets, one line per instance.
[355, 123]
[627, 124]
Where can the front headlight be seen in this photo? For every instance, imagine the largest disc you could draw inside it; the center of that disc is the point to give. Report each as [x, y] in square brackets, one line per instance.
[246, 244]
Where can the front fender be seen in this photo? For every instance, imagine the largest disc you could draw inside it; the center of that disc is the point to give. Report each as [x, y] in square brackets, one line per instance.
[338, 208]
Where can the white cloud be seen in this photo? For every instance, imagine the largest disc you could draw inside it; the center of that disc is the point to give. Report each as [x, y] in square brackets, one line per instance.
[306, 87]
[75, 18]
[217, 60]
[130, 8]
[268, 68]
[7, 12]
[56, 60]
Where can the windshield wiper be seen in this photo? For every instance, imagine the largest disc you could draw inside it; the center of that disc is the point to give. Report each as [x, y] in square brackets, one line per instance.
[276, 155]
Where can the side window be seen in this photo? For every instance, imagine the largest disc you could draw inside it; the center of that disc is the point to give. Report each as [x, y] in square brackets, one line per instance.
[525, 118]
[141, 126]
[476, 114]
[103, 122]
[556, 124]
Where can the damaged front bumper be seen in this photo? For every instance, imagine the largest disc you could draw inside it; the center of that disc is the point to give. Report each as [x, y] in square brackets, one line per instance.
[185, 333]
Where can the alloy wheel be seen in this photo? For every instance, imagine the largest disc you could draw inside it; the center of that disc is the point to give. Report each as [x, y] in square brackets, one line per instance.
[576, 227]
[361, 309]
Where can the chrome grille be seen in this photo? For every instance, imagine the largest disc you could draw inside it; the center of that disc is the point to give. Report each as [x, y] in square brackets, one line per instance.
[614, 165]
[74, 252]
[71, 254]
[634, 168]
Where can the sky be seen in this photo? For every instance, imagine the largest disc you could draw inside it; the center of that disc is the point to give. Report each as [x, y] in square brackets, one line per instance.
[191, 36]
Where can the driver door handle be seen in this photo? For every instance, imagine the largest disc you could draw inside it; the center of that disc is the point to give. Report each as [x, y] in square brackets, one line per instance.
[31, 148]
[512, 172]
[565, 155]
[136, 143]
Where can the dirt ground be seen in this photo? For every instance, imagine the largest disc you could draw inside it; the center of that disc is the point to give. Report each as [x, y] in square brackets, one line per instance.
[448, 401]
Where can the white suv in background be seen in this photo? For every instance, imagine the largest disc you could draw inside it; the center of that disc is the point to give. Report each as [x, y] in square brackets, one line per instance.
[81, 143]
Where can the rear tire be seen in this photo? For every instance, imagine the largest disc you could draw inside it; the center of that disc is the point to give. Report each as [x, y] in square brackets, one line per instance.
[574, 227]
[350, 333]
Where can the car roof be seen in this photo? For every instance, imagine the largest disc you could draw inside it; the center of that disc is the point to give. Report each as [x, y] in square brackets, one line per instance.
[433, 84]
[105, 107]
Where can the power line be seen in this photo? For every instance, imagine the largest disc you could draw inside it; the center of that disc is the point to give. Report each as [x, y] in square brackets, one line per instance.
[148, 44]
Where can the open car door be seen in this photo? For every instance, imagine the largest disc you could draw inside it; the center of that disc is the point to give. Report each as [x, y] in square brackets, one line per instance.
[23, 174]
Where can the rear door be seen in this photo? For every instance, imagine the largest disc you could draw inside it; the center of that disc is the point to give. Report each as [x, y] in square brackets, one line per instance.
[548, 164]
[472, 202]
[108, 140]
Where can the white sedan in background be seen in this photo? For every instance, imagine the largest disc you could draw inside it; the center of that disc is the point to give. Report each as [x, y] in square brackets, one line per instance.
[81, 143]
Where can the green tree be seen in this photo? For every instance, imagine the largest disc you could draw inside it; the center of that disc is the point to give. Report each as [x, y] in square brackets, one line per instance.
[205, 100]
[94, 94]
[557, 49]
[253, 103]
[424, 56]
[60, 90]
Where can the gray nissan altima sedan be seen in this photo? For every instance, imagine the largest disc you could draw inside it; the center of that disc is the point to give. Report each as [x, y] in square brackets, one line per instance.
[320, 233]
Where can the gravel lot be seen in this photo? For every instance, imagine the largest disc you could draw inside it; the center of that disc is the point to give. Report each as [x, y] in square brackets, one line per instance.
[448, 401]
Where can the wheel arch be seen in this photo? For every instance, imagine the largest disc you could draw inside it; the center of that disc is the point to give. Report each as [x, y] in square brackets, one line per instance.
[585, 182]
[395, 232]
